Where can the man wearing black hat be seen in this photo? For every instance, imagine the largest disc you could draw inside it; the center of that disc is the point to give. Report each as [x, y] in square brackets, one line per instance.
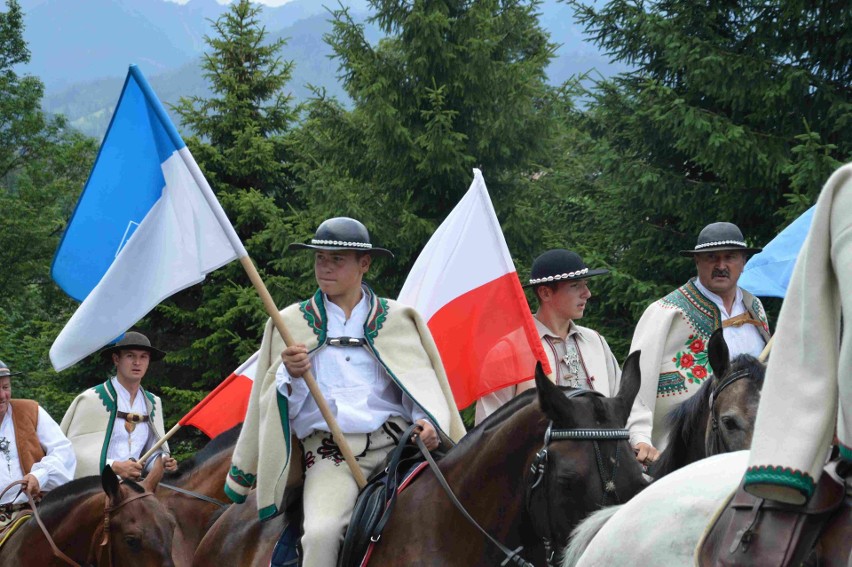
[578, 356]
[116, 422]
[377, 367]
[673, 332]
[32, 449]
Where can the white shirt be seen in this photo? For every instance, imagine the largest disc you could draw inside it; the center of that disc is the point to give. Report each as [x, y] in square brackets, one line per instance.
[745, 339]
[361, 394]
[55, 469]
[124, 445]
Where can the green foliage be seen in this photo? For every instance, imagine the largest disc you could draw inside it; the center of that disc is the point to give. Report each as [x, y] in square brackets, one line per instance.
[732, 111]
[454, 85]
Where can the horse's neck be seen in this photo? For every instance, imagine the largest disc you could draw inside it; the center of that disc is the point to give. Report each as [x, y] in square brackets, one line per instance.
[207, 478]
[77, 528]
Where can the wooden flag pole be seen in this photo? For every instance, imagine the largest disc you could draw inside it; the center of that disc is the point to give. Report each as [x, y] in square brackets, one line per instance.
[308, 377]
[765, 354]
[325, 410]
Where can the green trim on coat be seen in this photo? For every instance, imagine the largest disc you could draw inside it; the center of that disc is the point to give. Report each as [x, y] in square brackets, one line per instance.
[112, 408]
[781, 476]
[268, 512]
[235, 497]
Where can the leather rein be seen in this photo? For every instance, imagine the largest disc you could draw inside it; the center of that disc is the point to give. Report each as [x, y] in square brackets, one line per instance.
[538, 470]
[104, 540]
[716, 438]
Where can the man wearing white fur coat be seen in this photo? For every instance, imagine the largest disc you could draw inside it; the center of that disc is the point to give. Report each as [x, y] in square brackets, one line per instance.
[379, 370]
[807, 393]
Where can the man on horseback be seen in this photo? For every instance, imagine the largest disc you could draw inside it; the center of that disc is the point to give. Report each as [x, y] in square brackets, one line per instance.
[579, 356]
[807, 399]
[378, 368]
[32, 449]
[116, 422]
[673, 332]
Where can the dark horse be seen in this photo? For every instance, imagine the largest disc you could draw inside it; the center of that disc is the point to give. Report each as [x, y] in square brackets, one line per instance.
[140, 528]
[734, 389]
[490, 473]
[203, 475]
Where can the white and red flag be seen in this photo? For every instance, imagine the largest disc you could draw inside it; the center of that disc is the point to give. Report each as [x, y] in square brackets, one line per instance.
[465, 285]
[225, 406]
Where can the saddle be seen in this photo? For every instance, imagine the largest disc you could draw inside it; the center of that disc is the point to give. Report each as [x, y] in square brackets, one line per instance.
[755, 532]
[376, 501]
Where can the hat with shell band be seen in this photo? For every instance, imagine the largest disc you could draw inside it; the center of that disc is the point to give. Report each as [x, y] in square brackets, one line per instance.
[719, 236]
[5, 372]
[133, 341]
[341, 233]
[560, 265]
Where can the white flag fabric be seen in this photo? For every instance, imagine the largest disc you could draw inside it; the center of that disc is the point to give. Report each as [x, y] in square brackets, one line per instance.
[183, 234]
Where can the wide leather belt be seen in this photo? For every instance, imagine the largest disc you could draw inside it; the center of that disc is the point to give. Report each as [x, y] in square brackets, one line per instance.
[346, 342]
[132, 417]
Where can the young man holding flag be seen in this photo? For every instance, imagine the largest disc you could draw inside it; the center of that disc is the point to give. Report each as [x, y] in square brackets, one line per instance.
[116, 422]
[376, 365]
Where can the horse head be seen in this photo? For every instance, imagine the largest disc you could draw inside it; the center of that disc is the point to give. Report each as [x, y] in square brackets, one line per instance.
[139, 528]
[586, 461]
[734, 398]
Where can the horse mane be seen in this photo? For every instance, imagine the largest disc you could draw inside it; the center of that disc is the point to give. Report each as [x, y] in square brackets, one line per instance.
[223, 441]
[56, 502]
[689, 418]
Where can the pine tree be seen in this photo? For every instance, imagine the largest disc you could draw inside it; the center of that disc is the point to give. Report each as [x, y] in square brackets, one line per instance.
[239, 142]
[454, 85]
[732, 110]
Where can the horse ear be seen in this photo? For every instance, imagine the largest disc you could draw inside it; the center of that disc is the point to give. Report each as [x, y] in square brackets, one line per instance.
[154, 475]
[718, 354]
[551, 400]
[110, 482]
[631, 379]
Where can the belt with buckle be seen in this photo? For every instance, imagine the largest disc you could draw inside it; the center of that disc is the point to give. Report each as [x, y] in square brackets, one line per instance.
[132, 417]
[347, 342]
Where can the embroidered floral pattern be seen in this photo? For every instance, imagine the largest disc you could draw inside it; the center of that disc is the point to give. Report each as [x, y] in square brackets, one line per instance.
[241, 477]
[693, 361]
[329, 450]
[310, 459]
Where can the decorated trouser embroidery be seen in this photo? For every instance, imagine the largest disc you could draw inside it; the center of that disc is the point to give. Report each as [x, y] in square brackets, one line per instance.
[330, 490]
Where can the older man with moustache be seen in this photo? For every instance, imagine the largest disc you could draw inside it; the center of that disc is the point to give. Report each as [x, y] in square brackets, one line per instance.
[673, 333]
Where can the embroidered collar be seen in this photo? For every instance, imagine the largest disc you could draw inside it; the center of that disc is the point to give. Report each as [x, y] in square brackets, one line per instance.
[315, 314]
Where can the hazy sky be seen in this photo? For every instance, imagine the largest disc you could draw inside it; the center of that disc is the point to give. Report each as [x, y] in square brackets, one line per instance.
[266, 2]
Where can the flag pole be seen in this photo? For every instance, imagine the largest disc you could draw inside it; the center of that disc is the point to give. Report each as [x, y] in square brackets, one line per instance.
[765, 354]
[308, 377]
[272, 311]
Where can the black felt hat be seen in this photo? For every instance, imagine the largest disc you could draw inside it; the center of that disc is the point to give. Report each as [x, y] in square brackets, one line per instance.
[341, 233]
[5, 372]
[720, 236]
[560, 265]
[133, 340]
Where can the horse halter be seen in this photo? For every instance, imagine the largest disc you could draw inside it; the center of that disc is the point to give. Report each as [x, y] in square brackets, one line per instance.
[538, 468]
[716, 438]
[107, 511]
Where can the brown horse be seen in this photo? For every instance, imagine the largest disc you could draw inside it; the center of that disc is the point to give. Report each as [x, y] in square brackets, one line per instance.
[140, 528]
[490, 472]
[699, 428]
[204, 476]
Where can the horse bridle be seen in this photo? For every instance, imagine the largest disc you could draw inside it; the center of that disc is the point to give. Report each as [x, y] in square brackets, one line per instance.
[104, 540]
[716, 437]
[538, 468]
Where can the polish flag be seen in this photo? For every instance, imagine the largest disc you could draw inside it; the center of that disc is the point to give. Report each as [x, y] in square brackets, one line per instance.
[465, 285]
[225, 406]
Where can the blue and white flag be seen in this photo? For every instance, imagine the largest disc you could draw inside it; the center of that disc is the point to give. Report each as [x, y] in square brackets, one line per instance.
[767, 274]
[147, 225]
